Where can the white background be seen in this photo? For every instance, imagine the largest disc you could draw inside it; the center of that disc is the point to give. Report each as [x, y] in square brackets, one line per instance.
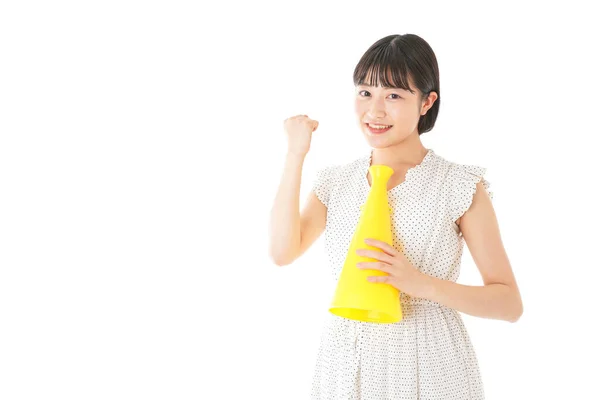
[141, 146]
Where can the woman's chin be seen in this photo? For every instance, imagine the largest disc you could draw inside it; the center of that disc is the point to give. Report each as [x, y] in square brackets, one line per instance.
[377, 138]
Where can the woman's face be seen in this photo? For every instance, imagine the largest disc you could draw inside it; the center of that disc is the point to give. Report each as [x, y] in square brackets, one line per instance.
[388, 106]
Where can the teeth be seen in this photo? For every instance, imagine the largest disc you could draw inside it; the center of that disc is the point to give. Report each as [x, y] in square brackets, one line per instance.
[379, 126]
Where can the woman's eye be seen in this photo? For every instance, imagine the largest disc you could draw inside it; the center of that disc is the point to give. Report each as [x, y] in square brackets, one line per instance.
[393, 94]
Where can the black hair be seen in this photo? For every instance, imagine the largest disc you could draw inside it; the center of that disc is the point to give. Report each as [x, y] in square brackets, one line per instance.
[396, 59]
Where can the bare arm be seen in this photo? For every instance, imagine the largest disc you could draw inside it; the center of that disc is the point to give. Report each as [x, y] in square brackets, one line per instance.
[499, 297]
[292, 232]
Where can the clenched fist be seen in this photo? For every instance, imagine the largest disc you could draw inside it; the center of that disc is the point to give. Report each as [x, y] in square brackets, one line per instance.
[299, 131]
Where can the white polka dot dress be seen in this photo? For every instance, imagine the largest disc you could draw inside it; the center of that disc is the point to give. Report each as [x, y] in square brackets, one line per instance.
[428, 354]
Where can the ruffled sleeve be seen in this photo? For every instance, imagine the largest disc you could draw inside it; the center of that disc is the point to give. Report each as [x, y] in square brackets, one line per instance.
[464, 179]
[323, 183]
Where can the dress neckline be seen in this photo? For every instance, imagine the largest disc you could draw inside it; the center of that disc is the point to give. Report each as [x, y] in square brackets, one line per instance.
[409, 173]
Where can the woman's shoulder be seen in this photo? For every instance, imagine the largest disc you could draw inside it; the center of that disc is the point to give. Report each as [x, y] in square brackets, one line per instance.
[463, 177]
[456, 170]
[331, 175]
[344, 169]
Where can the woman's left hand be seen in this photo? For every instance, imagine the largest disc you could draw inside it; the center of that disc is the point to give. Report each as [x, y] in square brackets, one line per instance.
[401, 273]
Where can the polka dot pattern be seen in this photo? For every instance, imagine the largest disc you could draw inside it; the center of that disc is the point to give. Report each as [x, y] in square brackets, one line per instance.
[428, 354]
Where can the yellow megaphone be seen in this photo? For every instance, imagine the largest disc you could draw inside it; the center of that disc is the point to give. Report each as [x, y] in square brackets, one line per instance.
[355, 297]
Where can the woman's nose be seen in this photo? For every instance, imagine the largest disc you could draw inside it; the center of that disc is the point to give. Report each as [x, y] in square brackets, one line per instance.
[375, 114]
[376, 109]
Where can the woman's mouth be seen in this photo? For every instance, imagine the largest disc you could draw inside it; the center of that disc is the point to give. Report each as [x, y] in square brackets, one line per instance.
[377, 129]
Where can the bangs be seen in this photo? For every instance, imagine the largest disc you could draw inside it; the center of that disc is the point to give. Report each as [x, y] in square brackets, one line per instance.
[383, 67]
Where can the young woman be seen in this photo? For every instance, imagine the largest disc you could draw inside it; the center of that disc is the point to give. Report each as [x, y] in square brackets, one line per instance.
[437, 205]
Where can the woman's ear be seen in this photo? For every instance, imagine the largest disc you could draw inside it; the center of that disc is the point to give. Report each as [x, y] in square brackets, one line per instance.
[428, 102]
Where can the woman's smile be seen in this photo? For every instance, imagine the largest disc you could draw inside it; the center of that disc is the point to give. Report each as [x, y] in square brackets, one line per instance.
[378, 129]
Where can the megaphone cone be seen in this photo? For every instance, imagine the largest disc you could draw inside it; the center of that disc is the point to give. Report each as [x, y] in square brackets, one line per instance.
[355, 297]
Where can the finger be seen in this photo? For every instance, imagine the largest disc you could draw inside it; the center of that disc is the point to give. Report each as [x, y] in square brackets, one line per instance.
[382, 245]
[378, 279]
[376, 254]
[374, 265]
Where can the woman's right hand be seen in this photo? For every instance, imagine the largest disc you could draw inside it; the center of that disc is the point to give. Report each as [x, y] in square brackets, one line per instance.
[299, 131]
